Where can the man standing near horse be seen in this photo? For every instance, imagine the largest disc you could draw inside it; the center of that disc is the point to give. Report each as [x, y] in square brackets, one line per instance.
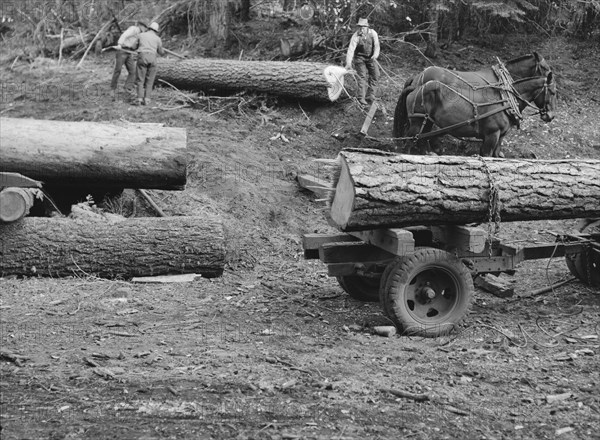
[149, 48]
[127, 44]
[364, 50]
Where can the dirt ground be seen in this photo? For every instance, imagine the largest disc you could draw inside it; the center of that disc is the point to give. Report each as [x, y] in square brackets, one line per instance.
[275, 349]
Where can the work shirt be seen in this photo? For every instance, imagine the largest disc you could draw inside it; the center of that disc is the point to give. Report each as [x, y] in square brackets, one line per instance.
[150, 45]
[129, 38]
[366, 46]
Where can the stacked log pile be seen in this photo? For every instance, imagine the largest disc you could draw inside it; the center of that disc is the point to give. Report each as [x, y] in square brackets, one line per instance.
[99, 155]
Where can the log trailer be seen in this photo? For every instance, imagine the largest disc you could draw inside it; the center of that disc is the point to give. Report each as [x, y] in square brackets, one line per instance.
[423, 275]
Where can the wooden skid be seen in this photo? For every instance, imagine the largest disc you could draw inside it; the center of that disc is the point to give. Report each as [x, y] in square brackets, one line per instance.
[312, 242]
[352, 253]
[320, 187]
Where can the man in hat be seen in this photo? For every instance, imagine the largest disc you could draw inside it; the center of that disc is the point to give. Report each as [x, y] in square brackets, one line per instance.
[149, 48]
[128, 43]
[364, 50]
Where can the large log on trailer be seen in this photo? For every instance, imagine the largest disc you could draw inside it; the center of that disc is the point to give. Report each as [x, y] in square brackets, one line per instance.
[94, 154]
[302, 80]
[374, 189]
[132, 247]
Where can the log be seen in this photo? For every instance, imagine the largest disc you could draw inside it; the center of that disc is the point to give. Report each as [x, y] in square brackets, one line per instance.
[145, 246]
[94, 154]
[375, 189]
[15, 203]
[301, 80]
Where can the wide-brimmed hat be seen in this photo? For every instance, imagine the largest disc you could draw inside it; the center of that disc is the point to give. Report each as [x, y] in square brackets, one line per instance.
[363, 22]
[154, 26]
[143, 23]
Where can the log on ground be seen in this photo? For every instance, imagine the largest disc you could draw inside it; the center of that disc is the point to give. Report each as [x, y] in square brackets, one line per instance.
[375, 189]
[95, 154]
[301, 80]
[132, 247]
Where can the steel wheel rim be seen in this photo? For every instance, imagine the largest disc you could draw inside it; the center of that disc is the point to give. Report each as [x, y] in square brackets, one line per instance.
[447, 295]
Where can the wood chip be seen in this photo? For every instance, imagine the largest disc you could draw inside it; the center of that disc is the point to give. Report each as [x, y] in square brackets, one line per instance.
[558, 397]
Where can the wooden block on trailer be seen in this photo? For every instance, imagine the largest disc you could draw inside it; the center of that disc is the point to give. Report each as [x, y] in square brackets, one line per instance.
[464, 238]
[494, 285]
[395, 241]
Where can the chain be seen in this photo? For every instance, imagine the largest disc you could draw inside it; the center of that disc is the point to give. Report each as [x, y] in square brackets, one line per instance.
[493, 207]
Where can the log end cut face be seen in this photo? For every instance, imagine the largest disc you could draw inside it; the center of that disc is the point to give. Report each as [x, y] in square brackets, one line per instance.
[334, 75]
[343, 200]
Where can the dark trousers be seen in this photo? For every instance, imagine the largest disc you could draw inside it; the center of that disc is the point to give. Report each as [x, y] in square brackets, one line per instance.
[146, 72]
[368, 75]
[127, 59]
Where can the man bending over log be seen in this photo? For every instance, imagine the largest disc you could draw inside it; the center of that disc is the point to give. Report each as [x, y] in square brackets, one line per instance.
[149, 48]
[364, 49]
[128, 42]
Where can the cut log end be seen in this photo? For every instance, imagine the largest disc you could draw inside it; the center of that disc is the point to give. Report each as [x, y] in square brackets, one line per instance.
[342, 200]
[14, 204]
[334, 75]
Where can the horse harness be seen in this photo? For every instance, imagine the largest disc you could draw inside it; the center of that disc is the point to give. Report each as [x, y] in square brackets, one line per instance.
[508, 97]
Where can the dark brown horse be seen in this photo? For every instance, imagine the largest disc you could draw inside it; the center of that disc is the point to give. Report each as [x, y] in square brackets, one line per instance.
[483, 113]
[525, 66]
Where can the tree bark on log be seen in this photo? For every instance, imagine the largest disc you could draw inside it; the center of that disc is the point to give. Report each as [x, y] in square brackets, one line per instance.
[302, 80]
[132, 247]
[94, 154]
[374, 189]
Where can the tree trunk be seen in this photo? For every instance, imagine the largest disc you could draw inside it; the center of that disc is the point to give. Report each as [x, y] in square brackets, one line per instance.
[302, 80]
[376, 190]
[433, 15]
[92, 154]
[131, 247]
[245, 11]
[218, 21]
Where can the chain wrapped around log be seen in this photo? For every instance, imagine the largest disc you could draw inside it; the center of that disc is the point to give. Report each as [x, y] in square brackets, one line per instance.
[374, 189]
[301, 80]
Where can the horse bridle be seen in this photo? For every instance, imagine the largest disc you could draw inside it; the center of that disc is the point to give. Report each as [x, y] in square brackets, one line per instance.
[544, 110]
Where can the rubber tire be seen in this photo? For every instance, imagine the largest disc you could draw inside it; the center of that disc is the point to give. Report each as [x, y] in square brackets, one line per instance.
[582, 266]
[361, 288]
[403, 270]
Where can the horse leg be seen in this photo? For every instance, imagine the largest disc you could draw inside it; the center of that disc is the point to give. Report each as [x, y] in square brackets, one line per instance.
[414, 126]
[425, 146]
[497, 152]
[490, 140]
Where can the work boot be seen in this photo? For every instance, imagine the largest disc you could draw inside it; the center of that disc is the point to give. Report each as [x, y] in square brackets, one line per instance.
[138, 101]
[362, 101]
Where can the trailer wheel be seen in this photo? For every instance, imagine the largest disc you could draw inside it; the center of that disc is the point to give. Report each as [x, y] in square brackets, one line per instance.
[427, 293]
[360, 287]
[585, 265]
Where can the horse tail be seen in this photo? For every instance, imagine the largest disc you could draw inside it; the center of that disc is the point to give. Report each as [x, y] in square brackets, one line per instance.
[401, 113]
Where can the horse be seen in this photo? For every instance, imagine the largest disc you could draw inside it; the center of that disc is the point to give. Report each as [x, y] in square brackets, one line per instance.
[485, 113]
[525, 66]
